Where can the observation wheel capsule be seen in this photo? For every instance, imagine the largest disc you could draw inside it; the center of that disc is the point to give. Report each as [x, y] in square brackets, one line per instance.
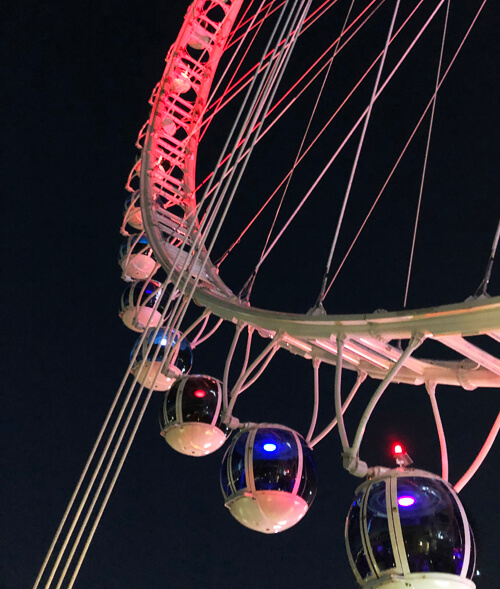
[268, 478]
[143, 303]
[191, 420]
[132, 211]
[407, 528]
[150, 366]
[136, 258]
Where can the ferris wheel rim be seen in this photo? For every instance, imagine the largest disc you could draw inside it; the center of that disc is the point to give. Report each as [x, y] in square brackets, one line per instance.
[483, 317]
[195, 270]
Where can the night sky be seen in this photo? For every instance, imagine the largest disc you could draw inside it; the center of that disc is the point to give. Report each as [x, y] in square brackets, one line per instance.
[76, 78]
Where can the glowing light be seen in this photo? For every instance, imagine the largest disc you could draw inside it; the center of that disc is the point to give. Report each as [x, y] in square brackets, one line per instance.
[163, 342]
[397, 449]
[269, 447]
[406, 501]
[199, 394]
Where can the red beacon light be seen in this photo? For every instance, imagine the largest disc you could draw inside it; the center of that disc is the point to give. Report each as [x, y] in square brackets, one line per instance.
[401, 456]
[397, 450]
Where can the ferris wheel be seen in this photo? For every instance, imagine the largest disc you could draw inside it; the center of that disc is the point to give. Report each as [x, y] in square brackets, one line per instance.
[203, 249]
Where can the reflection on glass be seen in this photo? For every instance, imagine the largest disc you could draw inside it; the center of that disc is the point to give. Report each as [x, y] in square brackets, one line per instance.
[237, 455]
[354, 538]
[432, 526]
[196, 407]
[308, 484]
[276, 469]
[377, 527]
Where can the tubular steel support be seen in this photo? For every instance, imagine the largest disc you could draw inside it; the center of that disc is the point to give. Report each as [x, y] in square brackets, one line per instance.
[351, 457]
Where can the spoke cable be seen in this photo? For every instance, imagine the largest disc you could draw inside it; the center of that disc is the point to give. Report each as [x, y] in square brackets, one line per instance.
[247, 289]
[321, 296]
[426, 157]
[348, 136]
[429, 104]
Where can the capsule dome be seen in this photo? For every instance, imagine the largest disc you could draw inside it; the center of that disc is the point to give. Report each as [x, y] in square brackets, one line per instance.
[139, 301]
[268, 478]
[132, 211]
[407, 528]
[191, 419]
[180, 82]
[136, 258]
[149, 367]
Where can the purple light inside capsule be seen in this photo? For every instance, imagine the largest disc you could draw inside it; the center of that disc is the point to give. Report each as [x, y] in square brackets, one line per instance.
[406, 501]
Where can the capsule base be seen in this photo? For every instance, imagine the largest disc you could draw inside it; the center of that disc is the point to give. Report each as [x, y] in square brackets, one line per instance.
[420, 581]
[194, 439]
[137, 319]
[153, 378]
[138, 267]
[268, 512]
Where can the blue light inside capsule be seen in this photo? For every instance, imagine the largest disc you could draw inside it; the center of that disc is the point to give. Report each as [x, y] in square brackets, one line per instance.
[269, 447]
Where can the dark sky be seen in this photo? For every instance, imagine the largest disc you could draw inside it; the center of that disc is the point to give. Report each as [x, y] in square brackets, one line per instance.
[76, 80]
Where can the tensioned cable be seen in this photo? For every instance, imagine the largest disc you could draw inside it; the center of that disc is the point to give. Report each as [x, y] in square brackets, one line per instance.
[216, 197]
[247, 289]
[117, 471]
[269, 57]
[120, 416]
[282, 113]
[89, 462]
[111, 458]
[153, 339]
[184, 304]
[429, 104]
[233, 57]
[324, 127]
[348, 136]
[427, 148]
[232, 92]
[261, 110]
[482, 289]
[302, 90]
[96, 470]
[243, 23]
[321, 296]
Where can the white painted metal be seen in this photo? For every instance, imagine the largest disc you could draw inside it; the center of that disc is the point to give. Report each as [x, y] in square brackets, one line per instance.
[136, 318]
[459, 344]
[153, 376]
[421, 581]
[268, 512]
[194, 439]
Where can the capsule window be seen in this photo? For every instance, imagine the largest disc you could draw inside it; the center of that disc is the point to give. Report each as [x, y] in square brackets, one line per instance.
[199, 400]
[377, 526]
[432, 526]
[237, 463]
[355, 543]
[275, 464]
